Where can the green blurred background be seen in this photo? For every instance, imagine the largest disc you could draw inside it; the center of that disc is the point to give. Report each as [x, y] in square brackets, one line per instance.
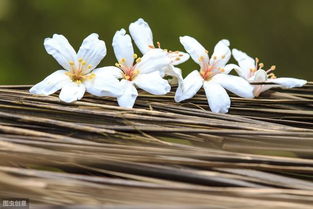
[277, 31]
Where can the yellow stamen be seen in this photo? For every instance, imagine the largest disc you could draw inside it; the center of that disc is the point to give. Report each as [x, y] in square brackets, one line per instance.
[138, 60]
[136, 72]
[271, 75]
[91, 76]
[122, 61]
[261, 65]
[135, 56]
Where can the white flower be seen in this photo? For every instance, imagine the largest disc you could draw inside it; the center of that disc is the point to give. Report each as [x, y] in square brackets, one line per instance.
[145, 73]
[142, 35]
[79, 74]
[213, 76]
[251, 70]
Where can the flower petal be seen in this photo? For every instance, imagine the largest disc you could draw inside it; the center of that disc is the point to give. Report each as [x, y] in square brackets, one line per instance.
[258, 89]
[153, 60]
[195, 49]
[123, 47]
[178, 57]
[153, 83]
[59, 47]
[51, 83]
[129, 96]
[221, 54]
[175, 73]
[218, 99]
[92, 51]
[72, 91]
[109, 71]
[189, 87]
[245, 62]
[235, 84]
[259, 76]
[105, 82]
[288, 82]
[142, 35]
[230, 67]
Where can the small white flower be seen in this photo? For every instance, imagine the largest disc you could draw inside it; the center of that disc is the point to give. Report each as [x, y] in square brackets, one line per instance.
[252, 71]
[213, 76]
[142, 35]
[145, 73]
[79, 74]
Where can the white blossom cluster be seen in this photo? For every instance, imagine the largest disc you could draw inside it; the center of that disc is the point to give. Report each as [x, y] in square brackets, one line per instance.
[79, 73]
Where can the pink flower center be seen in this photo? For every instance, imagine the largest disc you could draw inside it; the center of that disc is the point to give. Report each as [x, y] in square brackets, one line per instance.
[80, 73]
[207, 70]
[129, 72]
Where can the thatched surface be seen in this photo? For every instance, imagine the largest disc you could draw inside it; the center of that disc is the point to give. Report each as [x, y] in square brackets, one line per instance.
[160, 154]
